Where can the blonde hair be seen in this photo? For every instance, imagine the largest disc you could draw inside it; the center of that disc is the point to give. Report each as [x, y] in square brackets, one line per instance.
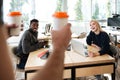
[97, 23]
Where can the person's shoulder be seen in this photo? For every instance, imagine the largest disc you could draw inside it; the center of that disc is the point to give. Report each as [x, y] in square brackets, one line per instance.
[26, 33]
[92, 33]
[104, 33]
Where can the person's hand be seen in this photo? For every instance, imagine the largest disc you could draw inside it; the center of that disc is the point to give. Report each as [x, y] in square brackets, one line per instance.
[61, 38]
[95, 46]
[93, 50]
[8, 27]
[91, 54]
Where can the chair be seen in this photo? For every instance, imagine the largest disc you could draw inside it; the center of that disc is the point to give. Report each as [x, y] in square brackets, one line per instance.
[47, 28]
[114, 48]
[82, 35]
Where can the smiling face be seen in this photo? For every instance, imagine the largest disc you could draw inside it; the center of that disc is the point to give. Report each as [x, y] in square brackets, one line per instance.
[94, 26]
[34, 26]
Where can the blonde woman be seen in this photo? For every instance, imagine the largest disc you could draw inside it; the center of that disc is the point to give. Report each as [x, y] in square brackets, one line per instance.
[98, 39]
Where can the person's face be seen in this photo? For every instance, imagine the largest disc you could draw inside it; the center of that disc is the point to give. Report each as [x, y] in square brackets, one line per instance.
[34, 26]
[93, 26]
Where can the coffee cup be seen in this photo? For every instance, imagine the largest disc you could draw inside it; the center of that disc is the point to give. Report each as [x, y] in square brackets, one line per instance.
[60, 19]
[15, 18]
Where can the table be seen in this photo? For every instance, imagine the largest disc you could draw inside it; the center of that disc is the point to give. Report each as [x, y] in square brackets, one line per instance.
[75, 65]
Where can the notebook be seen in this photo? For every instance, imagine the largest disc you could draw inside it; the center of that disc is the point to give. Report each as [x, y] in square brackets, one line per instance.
[79, 47]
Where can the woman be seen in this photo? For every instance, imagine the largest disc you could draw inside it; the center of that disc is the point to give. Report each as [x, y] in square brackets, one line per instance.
[98, 39]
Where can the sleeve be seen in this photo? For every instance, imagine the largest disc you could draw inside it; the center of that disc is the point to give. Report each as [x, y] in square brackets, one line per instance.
[38, 45]
[89, 38]
[26, 44]
[35, 47]
[105, 44]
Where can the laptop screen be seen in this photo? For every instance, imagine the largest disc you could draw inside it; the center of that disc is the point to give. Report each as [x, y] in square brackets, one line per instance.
[79, 47]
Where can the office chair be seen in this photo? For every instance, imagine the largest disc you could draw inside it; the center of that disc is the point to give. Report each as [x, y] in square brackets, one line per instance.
[47, 29]
[114, 49]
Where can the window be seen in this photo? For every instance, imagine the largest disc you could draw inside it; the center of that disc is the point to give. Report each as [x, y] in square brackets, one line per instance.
[44, 9]
[102, 11]
[78, 10]
[85, 10]
[23, 6]
[117, 6]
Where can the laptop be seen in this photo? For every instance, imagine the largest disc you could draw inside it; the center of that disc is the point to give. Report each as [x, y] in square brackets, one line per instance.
[79, 47]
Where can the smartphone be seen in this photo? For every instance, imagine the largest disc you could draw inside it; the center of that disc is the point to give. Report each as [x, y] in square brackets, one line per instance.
[1, 12]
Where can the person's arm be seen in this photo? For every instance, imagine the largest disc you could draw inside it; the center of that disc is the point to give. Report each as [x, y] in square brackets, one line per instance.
[53, 69]
[28, 42]
[6, 68]
[93, 50]
[105, 44]
[89, 38]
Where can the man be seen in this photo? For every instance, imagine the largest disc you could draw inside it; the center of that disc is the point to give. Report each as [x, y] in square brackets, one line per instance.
[28, 43]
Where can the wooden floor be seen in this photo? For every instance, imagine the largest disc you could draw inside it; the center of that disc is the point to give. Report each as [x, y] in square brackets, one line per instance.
[20, 74]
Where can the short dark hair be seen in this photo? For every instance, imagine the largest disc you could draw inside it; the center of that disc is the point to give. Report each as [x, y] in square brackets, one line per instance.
[33, 20]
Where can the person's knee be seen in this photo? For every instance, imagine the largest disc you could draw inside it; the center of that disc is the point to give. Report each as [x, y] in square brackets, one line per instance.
[14, 50]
